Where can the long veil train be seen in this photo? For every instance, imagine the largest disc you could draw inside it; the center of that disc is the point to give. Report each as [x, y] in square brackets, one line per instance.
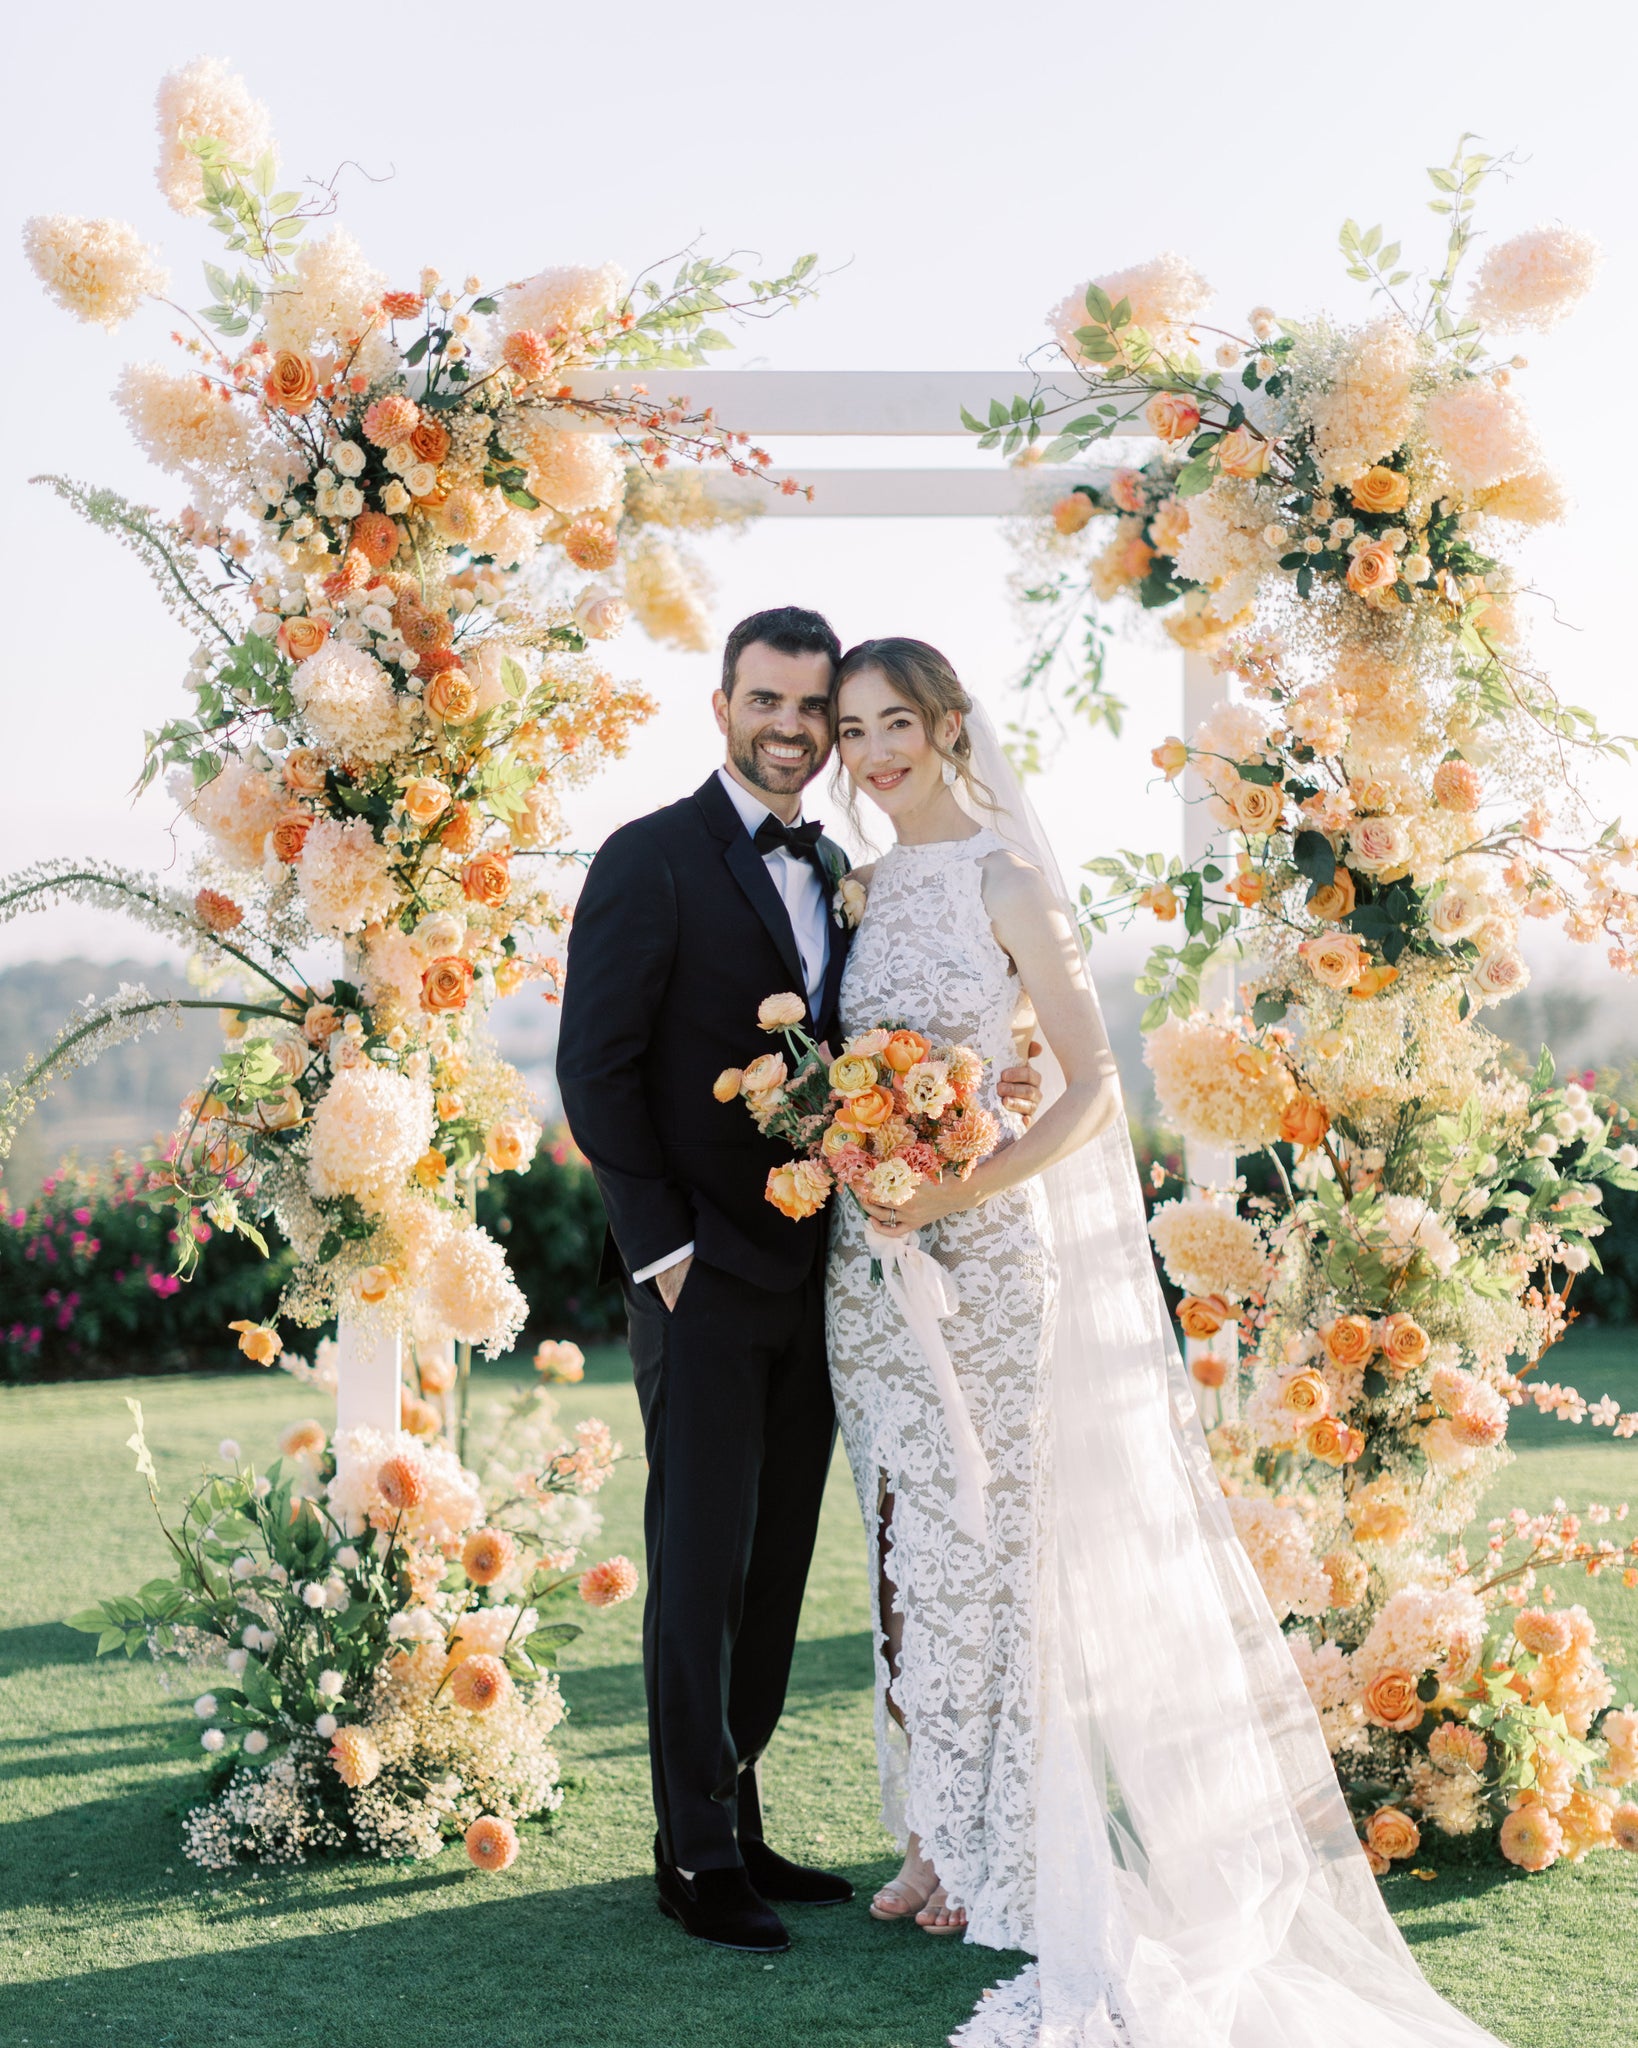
[1199, 1883]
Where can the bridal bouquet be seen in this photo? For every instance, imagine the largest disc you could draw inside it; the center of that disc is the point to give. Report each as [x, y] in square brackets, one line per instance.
[369, 1641]
[893, 1111]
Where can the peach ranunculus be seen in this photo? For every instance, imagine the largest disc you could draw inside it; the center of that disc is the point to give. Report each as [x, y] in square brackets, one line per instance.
[1203, 1315]
[486, 879]
[1070, 514]
[1380, 489]
[1390, 1702]
[289, 836]
[304, 771]
[1403, 1341]
[728, 1083]
[1334, 900]
[781, 1012]
[906, 1049]
[1335, 961]
[765, 1073]
[425, 799]
[1348, 1341]
[1305, 1396]
[447, 984]
[867, 1111]
[1374, 570]
[1242, 454]
[799, 1189]
[1392, 1834]
[1172, 415]
[868, 1045]
[300, 638]
[292, 384]
[1171, 757]
[452, 696]
[1304, 1122]
[1256, 806]
[258, 1341]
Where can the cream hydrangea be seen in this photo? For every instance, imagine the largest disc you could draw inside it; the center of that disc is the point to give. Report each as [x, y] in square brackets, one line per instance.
[181, 422]
[1164, 295]
[569, 295]
[1368, 410]
[347, 700]
[370, 1127]
[1424, 1628]
[1207, 1248]
[1213, 1087]
[471, 1293]
[572, 473]
[1481, 433]
[203, 99]
[331, 296]
[1277, 1541]
[1533, 279]
[668, 594]
[1224, 548]
[238, 808]
[345, 876]
[98, 270]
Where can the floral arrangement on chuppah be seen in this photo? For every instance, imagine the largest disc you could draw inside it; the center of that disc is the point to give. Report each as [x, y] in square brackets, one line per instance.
[1333, 516]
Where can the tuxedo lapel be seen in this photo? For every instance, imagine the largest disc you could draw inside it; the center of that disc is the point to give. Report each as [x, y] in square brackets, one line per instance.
[750, 871]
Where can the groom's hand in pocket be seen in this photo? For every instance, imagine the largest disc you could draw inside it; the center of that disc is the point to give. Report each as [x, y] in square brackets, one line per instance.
[1020, 1087]
[670, 1280]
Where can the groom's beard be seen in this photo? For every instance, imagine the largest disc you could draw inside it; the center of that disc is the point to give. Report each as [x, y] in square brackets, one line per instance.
[779, 778]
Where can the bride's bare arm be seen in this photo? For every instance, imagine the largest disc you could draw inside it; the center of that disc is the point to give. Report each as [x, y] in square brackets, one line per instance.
[1035, 932]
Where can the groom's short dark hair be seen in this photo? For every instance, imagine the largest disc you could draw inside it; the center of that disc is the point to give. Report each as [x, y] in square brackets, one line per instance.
[788, 629]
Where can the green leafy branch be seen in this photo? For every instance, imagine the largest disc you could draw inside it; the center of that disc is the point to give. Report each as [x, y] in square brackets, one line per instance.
[673, 329]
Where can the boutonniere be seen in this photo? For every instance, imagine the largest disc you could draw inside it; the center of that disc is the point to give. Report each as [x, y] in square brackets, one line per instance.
[848, 903]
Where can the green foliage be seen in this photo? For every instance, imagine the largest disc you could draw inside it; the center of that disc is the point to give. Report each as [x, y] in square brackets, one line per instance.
[671, 326]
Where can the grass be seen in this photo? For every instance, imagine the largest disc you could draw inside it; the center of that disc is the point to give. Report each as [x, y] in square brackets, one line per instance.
[106, 1934]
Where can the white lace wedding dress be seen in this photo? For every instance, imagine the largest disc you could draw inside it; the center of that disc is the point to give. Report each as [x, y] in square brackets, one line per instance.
[924, 956]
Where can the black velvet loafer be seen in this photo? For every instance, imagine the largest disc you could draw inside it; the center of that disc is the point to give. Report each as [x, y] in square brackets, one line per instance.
[721, 1907]
[792, 1884]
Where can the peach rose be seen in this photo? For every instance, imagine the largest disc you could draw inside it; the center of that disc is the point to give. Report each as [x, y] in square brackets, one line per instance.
[291, 385]
[375, 1283]
[800, 1189]
[425, 799]
[1380, 489]
[429, 442]
[301, 638]
[1373, 981]
[727, 1084]
[1335, 961]
[1500, 972]
[1334, 900]
[906, 1049]
[510, 1145]
[1305, 1396]
[1070, 514]
[1256, 806]
[447, 984]
[1209, 1370]
[1242, 454]
[1390, 1702]
[452, 696]
[320, 1024]
[1348, 1341]
[764, 1074]
[1377, 844]
[304, 772]
[258, 1341]
[487, 879]
[1126, 488]
[289, 836]
[1171, 415]
[1403, 1340]
[1373, 570]
[1379, 1521]
[1171, 757]
[1162, 899]
[1203, 1315]
[781, 1012]
[1330, 1440]
[1304, 1122]
[1392, 1834]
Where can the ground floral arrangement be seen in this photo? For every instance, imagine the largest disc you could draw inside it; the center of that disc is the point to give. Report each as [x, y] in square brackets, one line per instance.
[1332, 517]
[376, 1633]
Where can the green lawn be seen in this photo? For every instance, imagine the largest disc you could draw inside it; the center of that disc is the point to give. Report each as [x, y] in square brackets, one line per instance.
[106, 1934]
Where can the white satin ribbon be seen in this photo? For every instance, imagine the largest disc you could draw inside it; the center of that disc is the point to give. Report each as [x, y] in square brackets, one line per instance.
[924, 1294]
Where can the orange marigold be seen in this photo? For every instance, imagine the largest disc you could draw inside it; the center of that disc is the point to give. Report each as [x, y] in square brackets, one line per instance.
[492, 1843]
[608, 1583]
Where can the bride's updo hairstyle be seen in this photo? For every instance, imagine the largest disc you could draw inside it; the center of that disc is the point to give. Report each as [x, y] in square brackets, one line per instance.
[930, 686]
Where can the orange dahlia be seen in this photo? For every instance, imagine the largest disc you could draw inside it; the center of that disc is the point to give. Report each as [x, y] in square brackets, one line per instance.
[486, 1555]
[216, 912]
[401, 1483]
[492, 1843]
[357, 1760]
[608, 1583]
[480, 1683]
[591, 546]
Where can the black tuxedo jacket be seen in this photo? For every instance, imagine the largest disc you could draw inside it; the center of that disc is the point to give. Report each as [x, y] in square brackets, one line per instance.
[678, 936]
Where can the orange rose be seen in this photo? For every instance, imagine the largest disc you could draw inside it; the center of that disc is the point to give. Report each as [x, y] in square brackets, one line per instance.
[425, 799]
[452, 696]
[289, 836]
[429, 442]
[301, 638]
[1070, 514]
[510, 1145]
[1373, 981]
[1304, 1122]
[1209, 1370]
[1404, 1342]
[1248, 886]
[487, 879]
[1392, 1834]
[1171, 415]
[1256, 806]
[1203, 1315]
[291, 385]
[258, 1341]
[1162, 900]
[1348, 1341]
[800, 1189]
[304, 772]
[905, 1049]
[867, 1112]
[1335, 900]
[1391, 1702]
[1332, 1441]
[1380, 489]
[1373, 570]
[447, 984]
[1171, 757]
[1242, 453]
[1305, 1396]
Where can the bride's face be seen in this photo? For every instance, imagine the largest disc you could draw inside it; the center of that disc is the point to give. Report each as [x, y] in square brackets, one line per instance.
[883, 744]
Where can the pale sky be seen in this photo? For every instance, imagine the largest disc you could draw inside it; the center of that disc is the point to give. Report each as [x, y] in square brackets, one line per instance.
[960, 168]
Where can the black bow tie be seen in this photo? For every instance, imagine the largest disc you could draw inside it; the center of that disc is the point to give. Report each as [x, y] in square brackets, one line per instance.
[800, 840]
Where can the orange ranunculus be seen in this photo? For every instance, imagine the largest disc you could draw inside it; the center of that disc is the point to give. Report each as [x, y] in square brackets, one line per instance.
[1331, 1441]
[1333, 900]
[906, 1049]
[452, 696]
[1171, 757]
[1209, 1370]
[1380, 489]
[1070, 514]
[429, 442]
[447, 984]
[1391, 1702]
[300, 638]
[1203, 1315]
[1304, 1122]
[867, 1112]
[1372, 570]
[377, 537]
[1305, 1396]
[291, 385]
[486, 879]
[1373, 981]
[1403, 1340]
[304, 771]
[727, 1084]
[289, 836]
[765, 1073]
[1348, 1340]
[798, 1189]
[1392, 1834]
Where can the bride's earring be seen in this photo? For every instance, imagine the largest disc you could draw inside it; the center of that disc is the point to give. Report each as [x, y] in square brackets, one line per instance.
[950, 774]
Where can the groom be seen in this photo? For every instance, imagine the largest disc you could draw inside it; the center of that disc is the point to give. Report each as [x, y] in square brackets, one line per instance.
[689, 918]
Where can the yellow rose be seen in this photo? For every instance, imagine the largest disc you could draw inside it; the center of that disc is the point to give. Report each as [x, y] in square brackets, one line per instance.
[1171, 757]
[1335, 900]
[1171, 415]
[1381, 489]
[1305, 1396]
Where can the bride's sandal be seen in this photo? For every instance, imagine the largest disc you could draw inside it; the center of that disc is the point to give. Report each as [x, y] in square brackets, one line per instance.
[898, 1899]
[946, 1919]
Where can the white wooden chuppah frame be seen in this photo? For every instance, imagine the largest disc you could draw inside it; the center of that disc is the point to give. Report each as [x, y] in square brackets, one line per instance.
[869, 404]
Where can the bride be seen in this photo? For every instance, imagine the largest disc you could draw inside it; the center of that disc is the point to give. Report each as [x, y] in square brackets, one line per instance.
[1093, 1742]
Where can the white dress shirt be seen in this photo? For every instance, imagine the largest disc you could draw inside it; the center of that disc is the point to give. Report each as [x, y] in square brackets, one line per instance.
[803, 896]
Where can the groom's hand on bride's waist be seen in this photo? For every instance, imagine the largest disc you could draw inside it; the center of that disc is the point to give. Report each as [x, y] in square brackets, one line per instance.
[1020, 1087]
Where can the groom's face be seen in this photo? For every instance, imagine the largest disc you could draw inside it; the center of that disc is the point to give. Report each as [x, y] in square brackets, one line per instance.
[777, 721]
